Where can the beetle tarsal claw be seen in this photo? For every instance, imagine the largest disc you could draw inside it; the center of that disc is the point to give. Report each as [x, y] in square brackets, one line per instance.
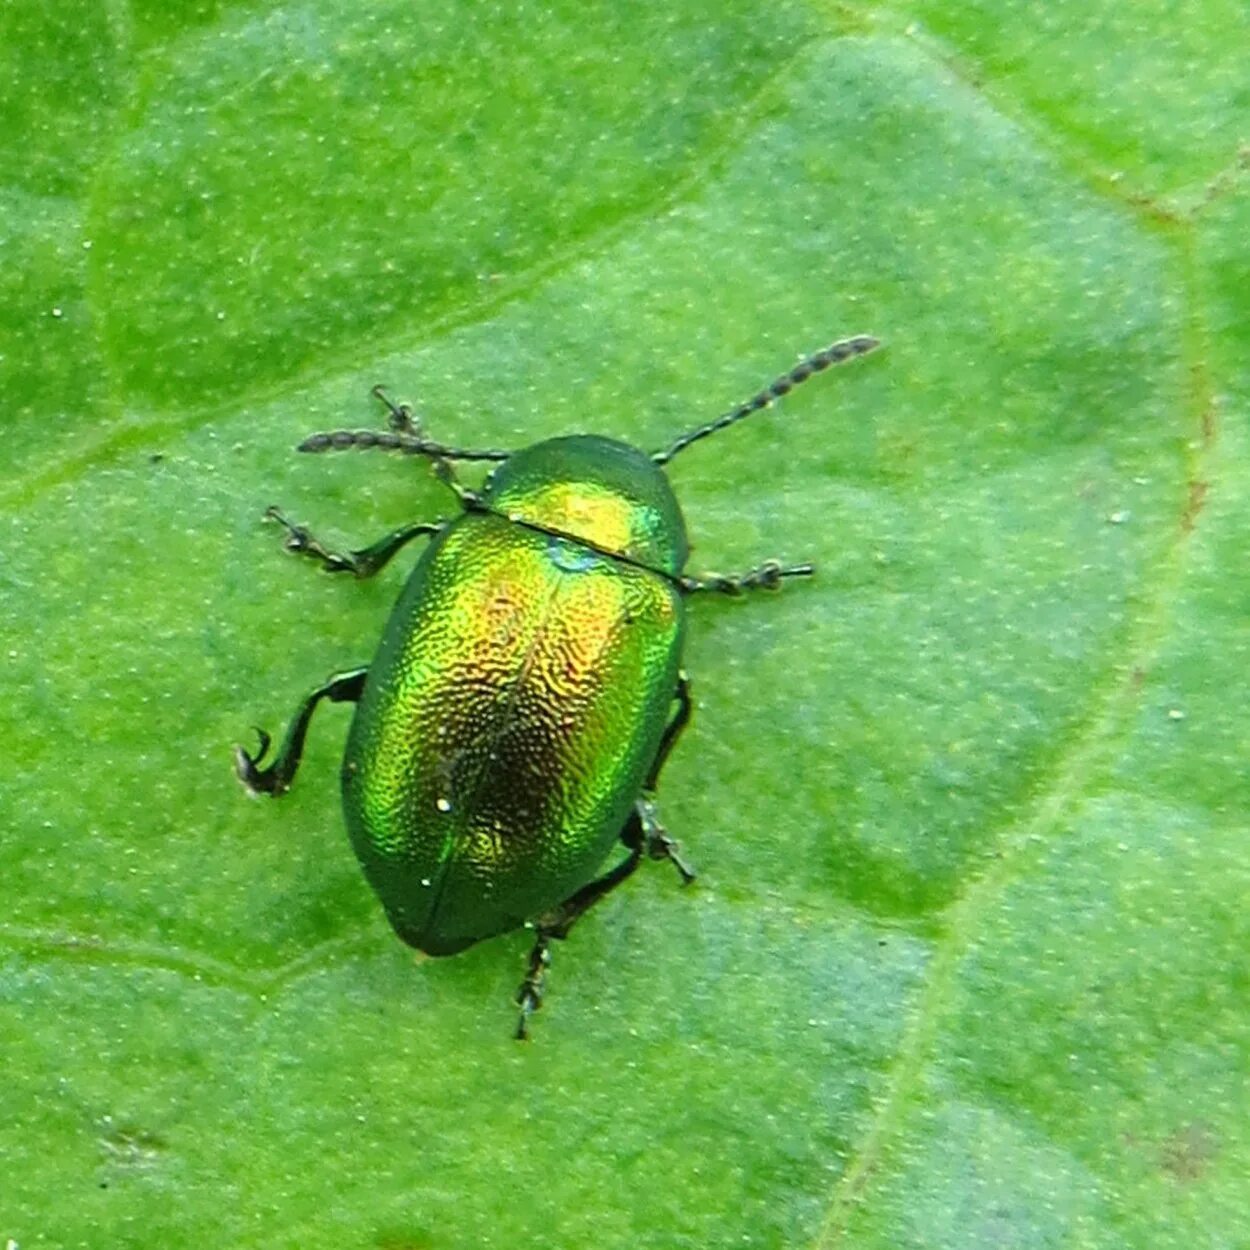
[658, 843]
[246, 767]
[404, 421]
[770, 574]
[400, 417]
[264, 741]
[530, 995]
[297, 537]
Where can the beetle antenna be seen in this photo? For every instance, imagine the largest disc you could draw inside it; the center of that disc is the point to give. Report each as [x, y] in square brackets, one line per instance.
[404, 436]
[387, 440]
[834, 354]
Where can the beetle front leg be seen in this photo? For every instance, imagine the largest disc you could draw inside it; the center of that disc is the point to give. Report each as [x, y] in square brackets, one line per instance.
[275, 779]
[361, 564]
[768, 576]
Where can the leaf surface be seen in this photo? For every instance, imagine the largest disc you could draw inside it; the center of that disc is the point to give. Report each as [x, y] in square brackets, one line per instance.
[966, 963]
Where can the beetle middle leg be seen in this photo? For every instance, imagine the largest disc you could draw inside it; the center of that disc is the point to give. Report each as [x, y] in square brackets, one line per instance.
[361, 564]
[645, 822]
[275, 779]
[768, 576]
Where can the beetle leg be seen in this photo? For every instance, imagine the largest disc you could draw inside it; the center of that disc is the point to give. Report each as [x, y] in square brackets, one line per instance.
[530, 996]
[673, 731]
[654, 839]
[767, 577]
[555, 925]
[644, 827]
[404, 421]
[644, 835]
[275, 778]
[470, 500]
[401, 417]
[361, 564]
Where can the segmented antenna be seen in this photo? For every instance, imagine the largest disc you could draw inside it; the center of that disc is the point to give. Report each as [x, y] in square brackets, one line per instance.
[834, 354]
[386, 440]
[404, 436]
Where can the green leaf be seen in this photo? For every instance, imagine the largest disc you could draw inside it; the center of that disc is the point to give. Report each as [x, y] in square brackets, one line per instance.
[966, 964]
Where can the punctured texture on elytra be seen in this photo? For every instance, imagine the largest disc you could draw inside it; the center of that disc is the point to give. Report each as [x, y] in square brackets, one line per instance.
[519, 695]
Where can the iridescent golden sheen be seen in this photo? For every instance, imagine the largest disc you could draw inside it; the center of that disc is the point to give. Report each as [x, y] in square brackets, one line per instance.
[518, 699]
[584, 509]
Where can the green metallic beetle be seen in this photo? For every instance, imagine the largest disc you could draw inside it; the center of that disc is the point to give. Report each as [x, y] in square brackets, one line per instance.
[527, 689]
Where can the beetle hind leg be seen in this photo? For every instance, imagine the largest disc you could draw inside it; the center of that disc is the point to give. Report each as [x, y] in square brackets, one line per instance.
[555, 925]
[643, 835]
